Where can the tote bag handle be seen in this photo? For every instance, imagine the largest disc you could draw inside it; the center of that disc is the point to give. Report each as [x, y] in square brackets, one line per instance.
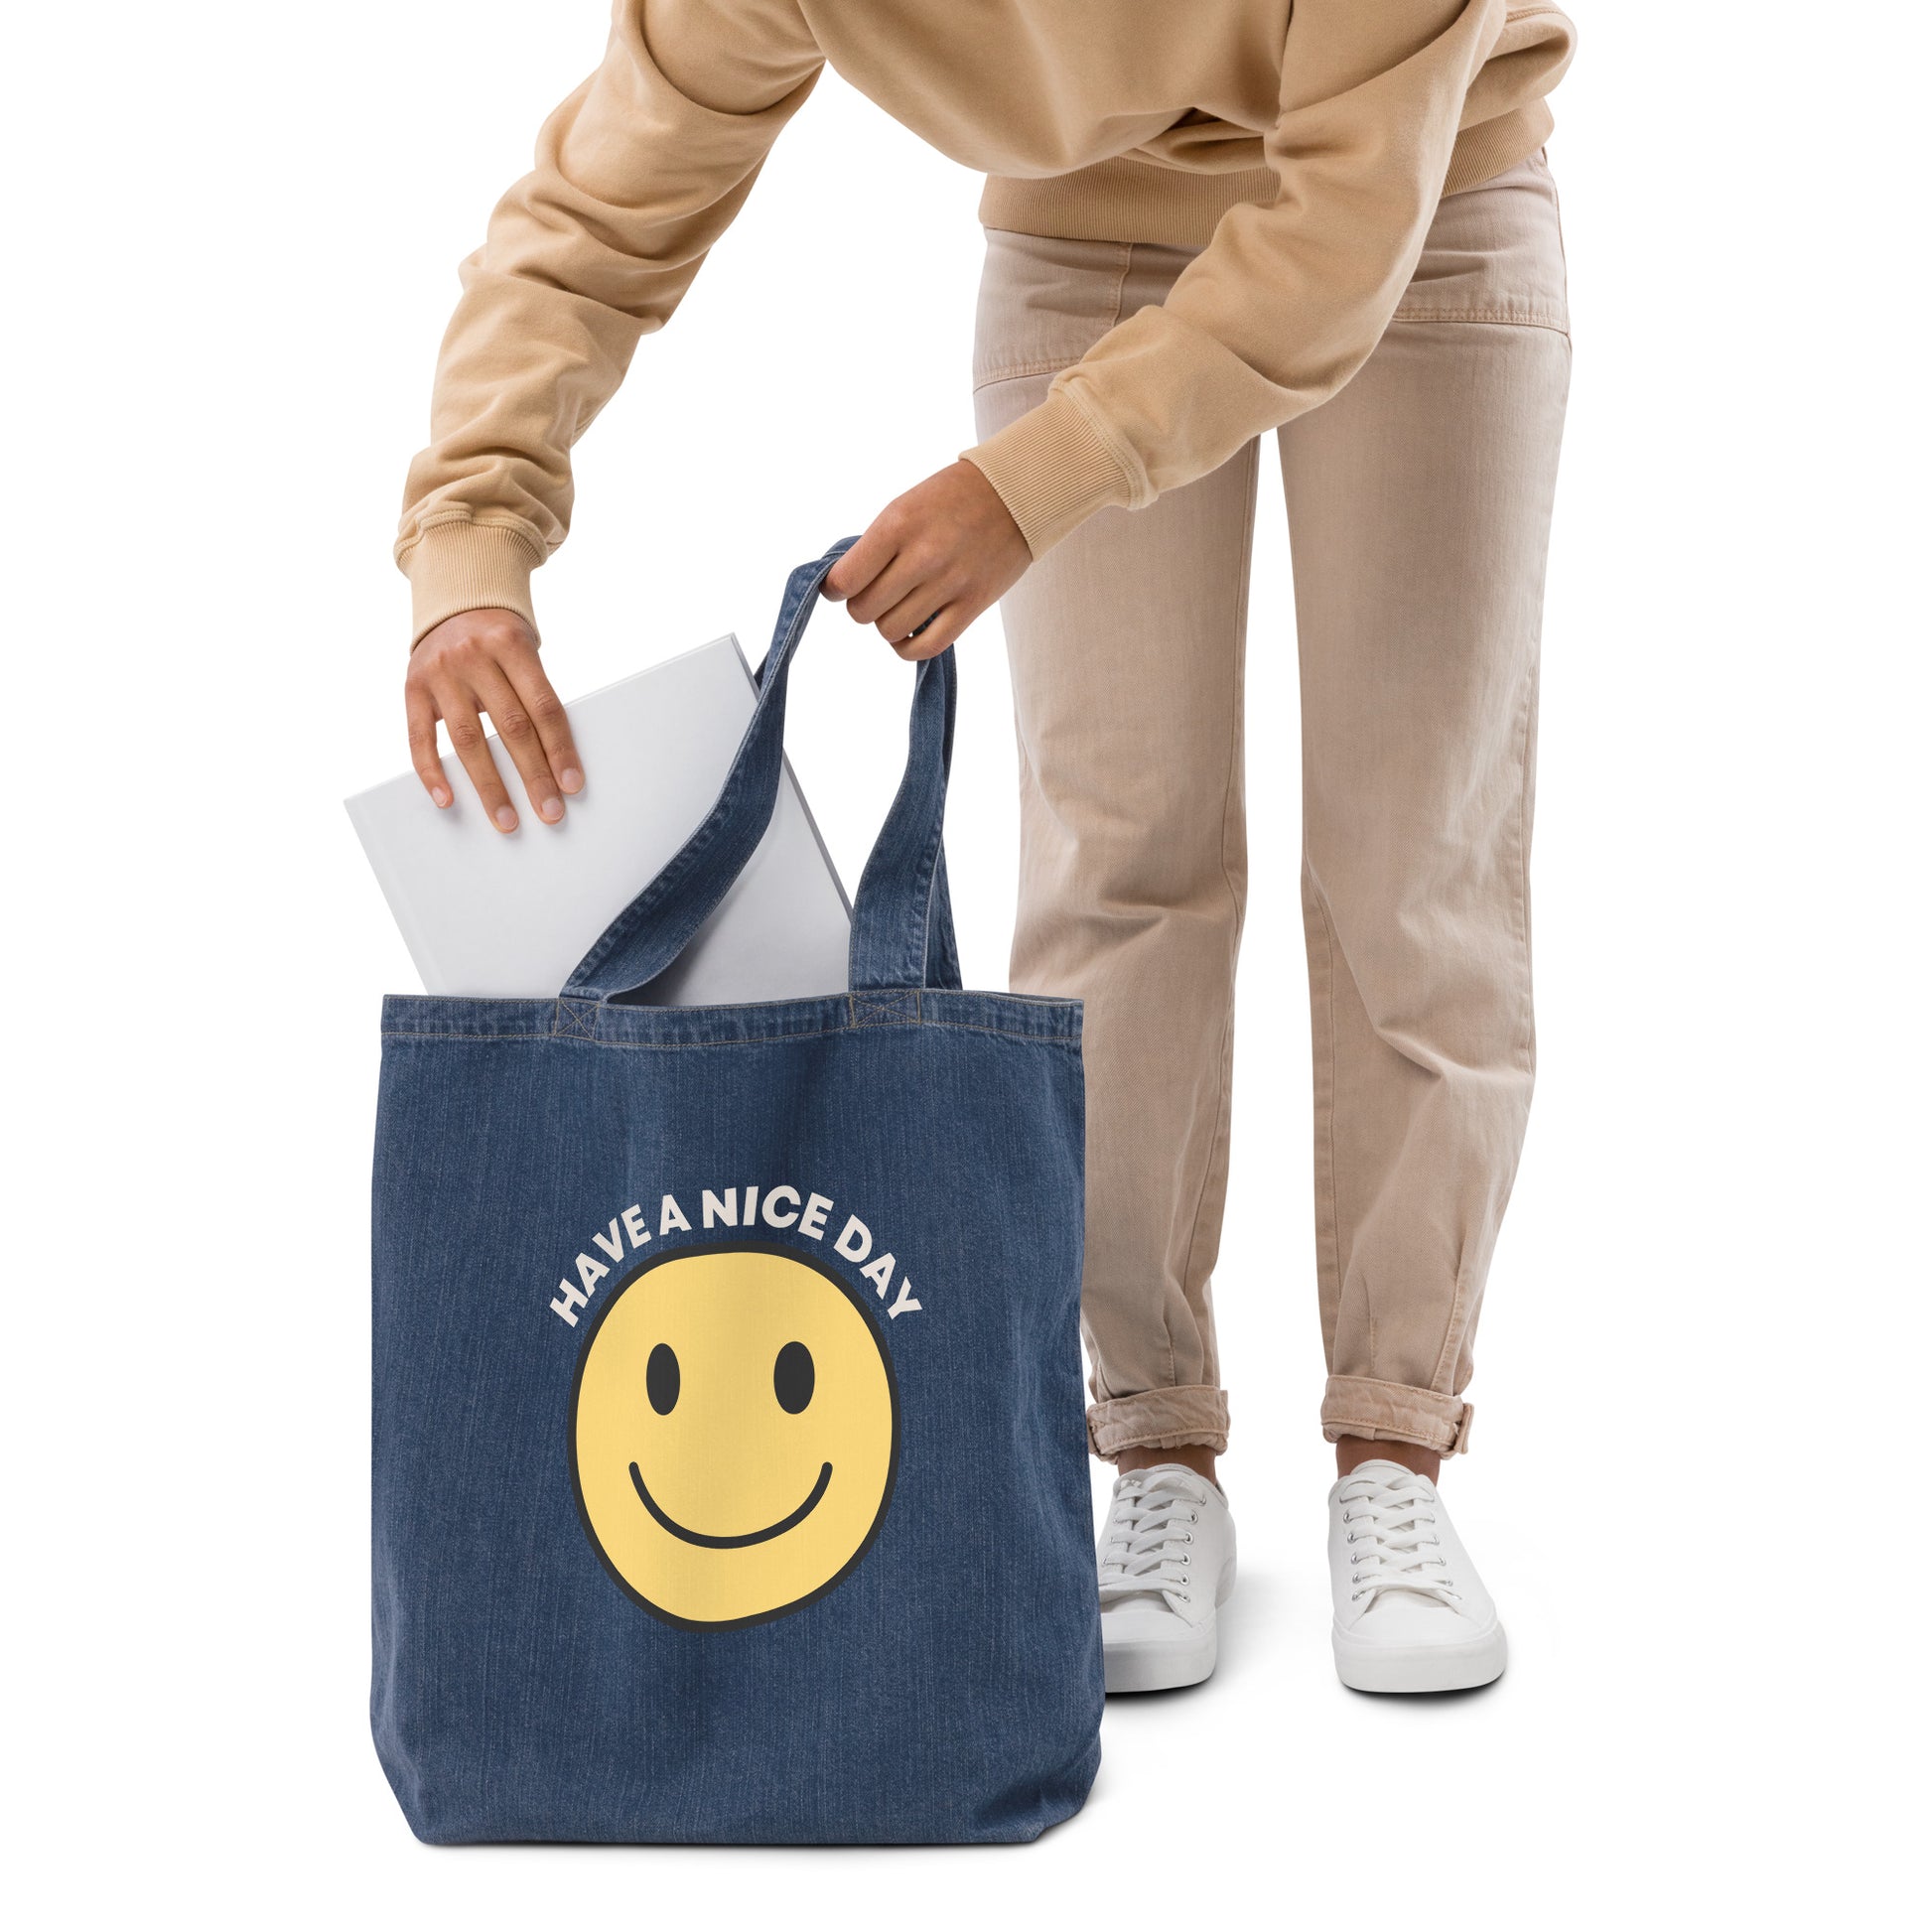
[901, 918]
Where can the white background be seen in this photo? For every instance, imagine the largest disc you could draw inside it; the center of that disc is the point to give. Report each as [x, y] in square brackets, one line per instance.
[1699, 1485]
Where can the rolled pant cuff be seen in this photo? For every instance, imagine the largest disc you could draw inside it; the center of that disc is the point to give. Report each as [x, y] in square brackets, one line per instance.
[1160, 1418]
[1392, 1411]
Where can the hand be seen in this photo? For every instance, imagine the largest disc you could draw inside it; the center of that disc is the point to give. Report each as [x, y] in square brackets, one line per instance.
[932, 561]
[485, 661]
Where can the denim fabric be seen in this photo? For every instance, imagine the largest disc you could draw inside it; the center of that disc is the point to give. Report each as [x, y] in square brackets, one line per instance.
[558, 1659]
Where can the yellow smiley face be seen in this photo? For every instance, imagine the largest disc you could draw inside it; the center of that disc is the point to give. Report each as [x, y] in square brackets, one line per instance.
[733, 1434]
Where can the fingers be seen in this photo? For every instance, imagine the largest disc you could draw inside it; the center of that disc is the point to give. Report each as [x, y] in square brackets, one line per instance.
[547, 713]
[485, 663]
[920, 606]
[918, 613]
[931, 562]
[893, 585]
[884, 569]
[897, 585]
[864, 561]
[422, 746]
[516, 729]
[937, 635]
[467, 741]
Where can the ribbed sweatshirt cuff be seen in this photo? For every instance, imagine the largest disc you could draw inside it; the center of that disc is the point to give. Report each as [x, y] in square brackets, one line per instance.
[1053, 468]
[464, 565]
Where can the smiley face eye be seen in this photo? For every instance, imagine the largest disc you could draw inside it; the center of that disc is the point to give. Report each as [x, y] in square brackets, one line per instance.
[661, 1379]
[793, 1377]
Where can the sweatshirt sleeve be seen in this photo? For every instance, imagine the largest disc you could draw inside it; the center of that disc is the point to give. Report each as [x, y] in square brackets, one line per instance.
[638, 173]
[1288, 300]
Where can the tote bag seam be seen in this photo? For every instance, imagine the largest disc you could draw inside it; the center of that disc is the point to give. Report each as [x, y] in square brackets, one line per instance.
[1041, 1001]
[689, 1045]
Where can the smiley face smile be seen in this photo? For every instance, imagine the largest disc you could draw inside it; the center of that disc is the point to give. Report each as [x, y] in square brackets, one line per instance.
[744, 1541]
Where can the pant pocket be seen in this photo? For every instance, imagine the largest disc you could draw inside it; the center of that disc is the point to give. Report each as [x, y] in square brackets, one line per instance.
[1495, 253]
[1043, 301]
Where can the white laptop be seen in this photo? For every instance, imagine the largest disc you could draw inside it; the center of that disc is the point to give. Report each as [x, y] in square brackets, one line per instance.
[489, 914]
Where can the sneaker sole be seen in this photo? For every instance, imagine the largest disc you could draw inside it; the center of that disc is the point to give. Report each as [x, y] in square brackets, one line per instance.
[1421, 1668]
[1169, 1666]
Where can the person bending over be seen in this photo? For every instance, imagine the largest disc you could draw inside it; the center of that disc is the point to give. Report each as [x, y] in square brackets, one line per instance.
[1333, 220]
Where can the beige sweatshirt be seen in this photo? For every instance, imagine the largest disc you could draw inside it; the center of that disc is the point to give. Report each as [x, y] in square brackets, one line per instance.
[1301, 144]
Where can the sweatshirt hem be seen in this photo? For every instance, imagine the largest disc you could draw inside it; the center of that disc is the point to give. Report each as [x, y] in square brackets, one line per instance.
[1128, 199]
[1124, 200]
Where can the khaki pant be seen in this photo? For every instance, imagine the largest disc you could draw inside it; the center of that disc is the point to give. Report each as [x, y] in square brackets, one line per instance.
[1419, 511]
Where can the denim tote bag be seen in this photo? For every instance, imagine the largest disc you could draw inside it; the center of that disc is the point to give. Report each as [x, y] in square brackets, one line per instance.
[730, 1455]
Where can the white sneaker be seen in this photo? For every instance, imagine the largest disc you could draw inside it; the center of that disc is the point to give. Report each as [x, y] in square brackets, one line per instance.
[1167, 1565]
[1411, 1613]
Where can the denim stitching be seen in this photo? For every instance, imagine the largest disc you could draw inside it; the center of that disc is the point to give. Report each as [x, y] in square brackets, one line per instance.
[1063, 1041]
[884, 1009]
[626, 1045]
[573, 1019]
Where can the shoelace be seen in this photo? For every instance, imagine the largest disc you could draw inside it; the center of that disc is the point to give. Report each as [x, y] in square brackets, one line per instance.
[1142, 1546]
[1392, 1534]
